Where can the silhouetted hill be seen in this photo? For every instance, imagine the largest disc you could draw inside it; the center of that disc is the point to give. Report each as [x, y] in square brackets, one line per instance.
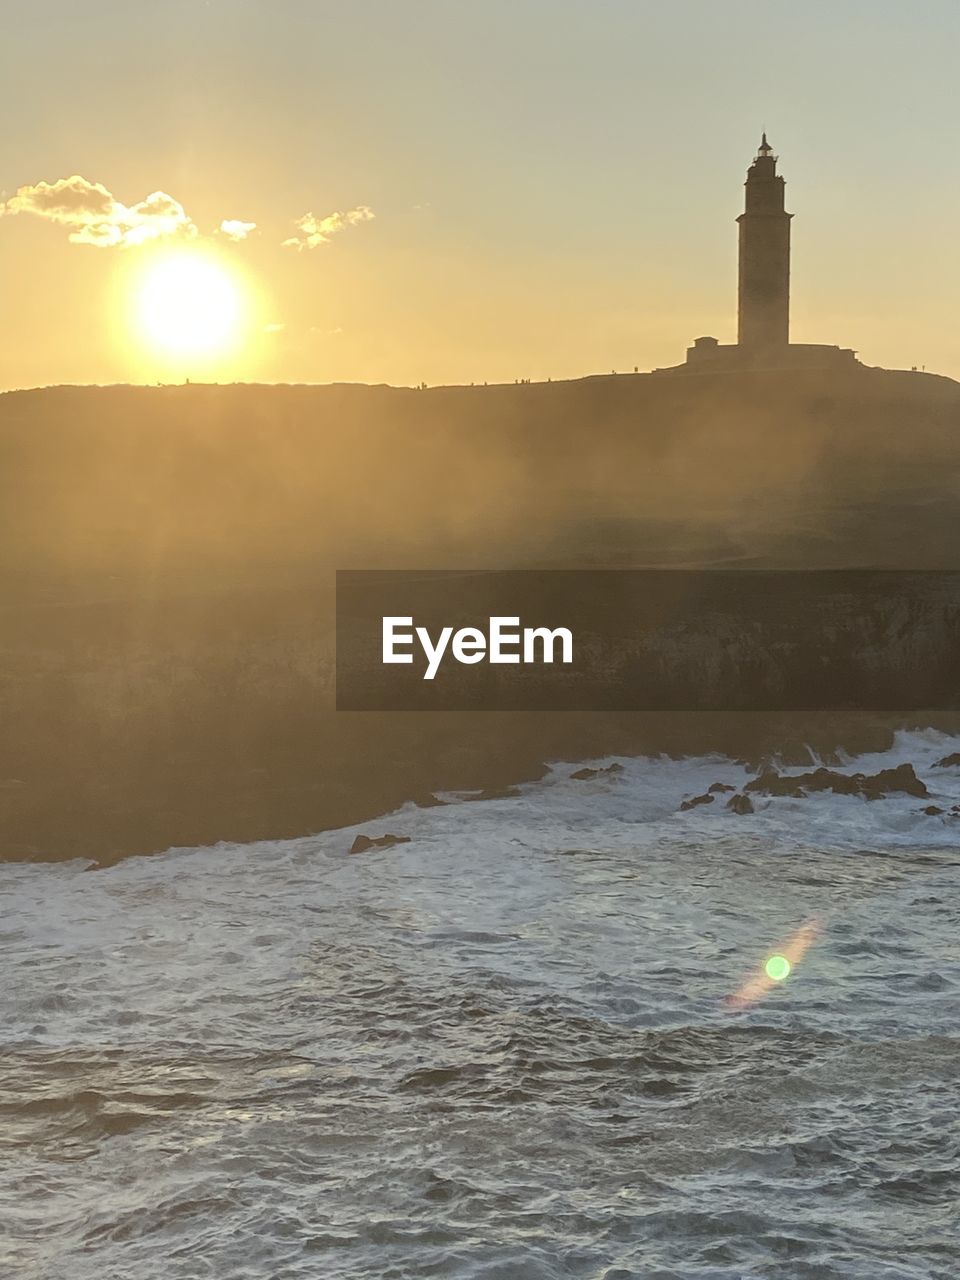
[827, 467]
[167, 558]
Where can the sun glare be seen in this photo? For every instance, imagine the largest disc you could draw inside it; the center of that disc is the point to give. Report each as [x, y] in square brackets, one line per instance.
[190, 305]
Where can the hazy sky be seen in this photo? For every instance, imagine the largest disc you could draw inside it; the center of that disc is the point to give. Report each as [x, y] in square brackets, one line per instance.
[526, 188]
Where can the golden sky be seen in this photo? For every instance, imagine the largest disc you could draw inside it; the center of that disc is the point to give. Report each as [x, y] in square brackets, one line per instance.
[452, 192]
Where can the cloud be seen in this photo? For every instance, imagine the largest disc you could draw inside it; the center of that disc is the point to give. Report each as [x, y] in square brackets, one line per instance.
[94, 216]
[274, 328]
[234, 229]
[313, 231]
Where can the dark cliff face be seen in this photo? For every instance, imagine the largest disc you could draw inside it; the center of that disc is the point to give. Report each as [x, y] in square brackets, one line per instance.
[167, 558]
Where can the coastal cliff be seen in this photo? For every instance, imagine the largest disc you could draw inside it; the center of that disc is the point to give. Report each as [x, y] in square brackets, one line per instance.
[166, 619]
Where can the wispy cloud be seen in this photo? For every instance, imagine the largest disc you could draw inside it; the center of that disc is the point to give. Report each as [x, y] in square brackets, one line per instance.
[234, 229]
[93, 215]
[313, 231]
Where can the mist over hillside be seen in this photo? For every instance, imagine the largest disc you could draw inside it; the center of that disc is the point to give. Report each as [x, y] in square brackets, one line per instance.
[827, 468]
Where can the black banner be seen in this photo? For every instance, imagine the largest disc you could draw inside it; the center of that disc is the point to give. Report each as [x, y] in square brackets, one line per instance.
[665, 640]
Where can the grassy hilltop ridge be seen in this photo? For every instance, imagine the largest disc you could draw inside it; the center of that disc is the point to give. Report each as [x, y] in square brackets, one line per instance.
[167, 557]
[172, 479]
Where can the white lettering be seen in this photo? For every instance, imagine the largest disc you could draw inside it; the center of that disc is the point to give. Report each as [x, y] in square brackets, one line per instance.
[499, 637]
[434, 654]
[532, 634]
[469, 645]
[391, 640]
[505, 642]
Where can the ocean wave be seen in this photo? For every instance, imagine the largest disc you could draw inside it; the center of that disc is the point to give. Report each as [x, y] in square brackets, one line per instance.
[504, 1048]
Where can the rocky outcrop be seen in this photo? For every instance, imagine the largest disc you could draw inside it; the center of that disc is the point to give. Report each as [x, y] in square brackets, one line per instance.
[874, 786]
[363, 843]
[582, 775]
[740, 804]
[695, 803]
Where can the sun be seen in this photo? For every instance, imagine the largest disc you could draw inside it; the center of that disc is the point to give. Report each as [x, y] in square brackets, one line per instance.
[189, 304]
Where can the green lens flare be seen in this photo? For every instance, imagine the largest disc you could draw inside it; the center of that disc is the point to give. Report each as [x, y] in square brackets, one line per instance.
[778, 968]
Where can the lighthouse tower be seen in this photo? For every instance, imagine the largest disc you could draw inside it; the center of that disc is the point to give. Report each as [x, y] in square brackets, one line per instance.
[763, 313]
[763, 296]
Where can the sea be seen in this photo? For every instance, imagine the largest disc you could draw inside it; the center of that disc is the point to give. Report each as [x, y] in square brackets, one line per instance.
[535, 1042]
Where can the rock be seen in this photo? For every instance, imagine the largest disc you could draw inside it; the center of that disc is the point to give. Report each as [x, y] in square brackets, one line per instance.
[697, 800]
[951, 761]
[768, 781]
[740, 804]
[902, 778]
[933, 810]
[363, 843]
[716, 788]
[582, 775]
[428, 801]
[494, 793]
[771, 783]
[841, 784]
[873, 786]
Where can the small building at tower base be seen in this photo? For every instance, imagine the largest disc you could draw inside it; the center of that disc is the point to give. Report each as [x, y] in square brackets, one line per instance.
[707, 355]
